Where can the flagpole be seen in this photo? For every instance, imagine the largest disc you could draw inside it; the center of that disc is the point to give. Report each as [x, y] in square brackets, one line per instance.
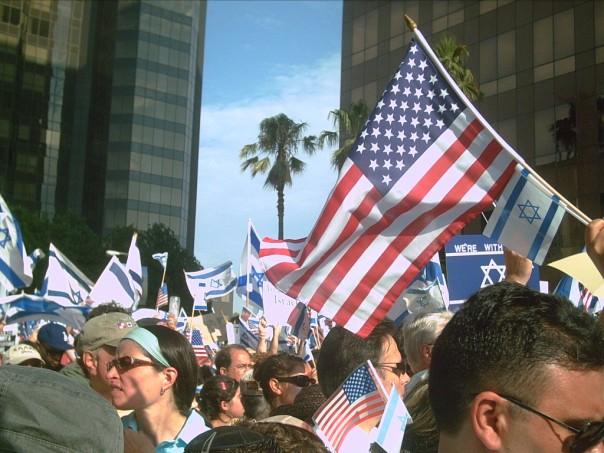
[248, 264]
[569, 207]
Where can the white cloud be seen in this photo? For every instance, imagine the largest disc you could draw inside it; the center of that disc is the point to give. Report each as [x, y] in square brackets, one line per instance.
[227, 197]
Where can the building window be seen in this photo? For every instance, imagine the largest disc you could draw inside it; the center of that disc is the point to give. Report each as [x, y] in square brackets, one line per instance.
[543, 48]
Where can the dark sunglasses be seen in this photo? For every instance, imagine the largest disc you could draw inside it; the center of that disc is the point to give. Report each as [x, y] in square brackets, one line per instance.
[590, 434]
[397, 368]
[299, 380]
[123, 364]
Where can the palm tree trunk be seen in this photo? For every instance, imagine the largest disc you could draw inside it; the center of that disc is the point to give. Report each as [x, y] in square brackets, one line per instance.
[280, 209]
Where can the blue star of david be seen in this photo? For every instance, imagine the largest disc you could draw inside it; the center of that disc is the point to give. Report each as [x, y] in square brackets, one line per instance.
[258, 276]
[76, 296]
[5, 239]
[216, 283]
[530, 217]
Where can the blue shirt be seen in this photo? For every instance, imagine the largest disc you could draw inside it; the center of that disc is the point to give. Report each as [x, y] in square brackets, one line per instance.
[193, 427]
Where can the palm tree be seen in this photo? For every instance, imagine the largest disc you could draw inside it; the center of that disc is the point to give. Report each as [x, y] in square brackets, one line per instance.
[453, 55]
[349, 123]
[274, 153]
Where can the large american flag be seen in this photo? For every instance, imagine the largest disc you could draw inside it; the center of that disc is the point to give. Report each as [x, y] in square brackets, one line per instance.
[202, 352]
[357, 400]
[423, 166]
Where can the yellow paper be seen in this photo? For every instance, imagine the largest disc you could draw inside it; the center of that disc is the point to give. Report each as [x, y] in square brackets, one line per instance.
[581, 268]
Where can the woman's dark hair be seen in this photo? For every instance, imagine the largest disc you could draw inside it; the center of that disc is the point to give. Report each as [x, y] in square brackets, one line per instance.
[179, 353]
[216, 390]
[289, 438]
[280, 365]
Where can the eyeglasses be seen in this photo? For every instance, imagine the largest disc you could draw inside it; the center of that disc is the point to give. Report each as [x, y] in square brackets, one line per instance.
[397, 368]
[590, 434]
[126, 363]
[299, 380]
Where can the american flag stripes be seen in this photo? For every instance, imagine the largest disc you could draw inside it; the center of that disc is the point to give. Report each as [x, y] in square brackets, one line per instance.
[357, 400]
[162, 296]
[423, 166]
[202, 352]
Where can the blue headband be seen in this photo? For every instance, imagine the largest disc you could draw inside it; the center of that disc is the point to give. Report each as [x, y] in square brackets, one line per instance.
[148, 342]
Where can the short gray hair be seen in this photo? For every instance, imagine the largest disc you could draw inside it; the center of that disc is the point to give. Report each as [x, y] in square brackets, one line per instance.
[420, 330]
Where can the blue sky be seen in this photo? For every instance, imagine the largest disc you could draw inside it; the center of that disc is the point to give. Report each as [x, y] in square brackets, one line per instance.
[262, 58]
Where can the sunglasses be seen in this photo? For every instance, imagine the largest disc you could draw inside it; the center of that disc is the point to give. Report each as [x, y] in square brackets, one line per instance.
[397, 368]
[589, 435]
[299, 380]
[126, 363]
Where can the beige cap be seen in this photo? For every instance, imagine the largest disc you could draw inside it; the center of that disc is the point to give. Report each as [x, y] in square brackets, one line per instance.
[19, 353]
[104, 330]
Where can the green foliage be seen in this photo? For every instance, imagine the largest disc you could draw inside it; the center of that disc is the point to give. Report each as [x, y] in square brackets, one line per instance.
[274, 154]
[159, 238]
[348, 124]
[453, 56]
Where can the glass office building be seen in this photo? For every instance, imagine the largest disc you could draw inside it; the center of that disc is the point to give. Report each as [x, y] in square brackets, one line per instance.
[540, 65]
[100, 109]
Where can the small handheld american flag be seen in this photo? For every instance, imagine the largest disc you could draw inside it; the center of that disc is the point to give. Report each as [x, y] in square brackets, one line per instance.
[162, 296]
[203, 353]
[357, 400]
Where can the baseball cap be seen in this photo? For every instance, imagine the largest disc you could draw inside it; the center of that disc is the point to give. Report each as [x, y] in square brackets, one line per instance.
[19, 353]
[104, 330]
[55, 336]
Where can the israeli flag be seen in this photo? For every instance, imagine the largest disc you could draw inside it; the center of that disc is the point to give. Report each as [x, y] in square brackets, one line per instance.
[16, 268]
[526, 218]
[427, 292]
[162, 258]
[27, 307]
[210, 283]
[251, 271]
[247, 336]
[135, 268]
[182, 320]
[114, 284]
[64, 283]
[394, 421]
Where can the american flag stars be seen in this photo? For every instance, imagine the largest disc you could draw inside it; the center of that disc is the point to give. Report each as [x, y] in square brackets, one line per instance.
[413, 111]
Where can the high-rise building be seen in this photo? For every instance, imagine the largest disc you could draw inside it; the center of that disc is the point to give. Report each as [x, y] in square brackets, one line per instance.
[100, 109]
[540, 65]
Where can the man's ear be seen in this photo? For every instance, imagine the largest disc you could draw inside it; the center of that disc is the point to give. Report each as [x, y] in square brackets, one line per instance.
[275, 387]
[222, 371]
[490, 420]
[89, 361]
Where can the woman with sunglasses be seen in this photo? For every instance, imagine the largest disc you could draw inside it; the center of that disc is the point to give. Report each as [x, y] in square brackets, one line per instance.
[155, 375]
[281, 378]
[220, 401]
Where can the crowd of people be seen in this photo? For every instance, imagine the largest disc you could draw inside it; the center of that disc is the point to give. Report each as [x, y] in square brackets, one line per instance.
[514, 370]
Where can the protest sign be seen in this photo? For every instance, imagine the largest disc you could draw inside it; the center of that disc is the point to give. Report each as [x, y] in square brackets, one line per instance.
[277, 305]
[474, 262]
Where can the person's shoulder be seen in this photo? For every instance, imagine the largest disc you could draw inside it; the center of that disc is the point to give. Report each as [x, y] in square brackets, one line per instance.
[74, 371]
